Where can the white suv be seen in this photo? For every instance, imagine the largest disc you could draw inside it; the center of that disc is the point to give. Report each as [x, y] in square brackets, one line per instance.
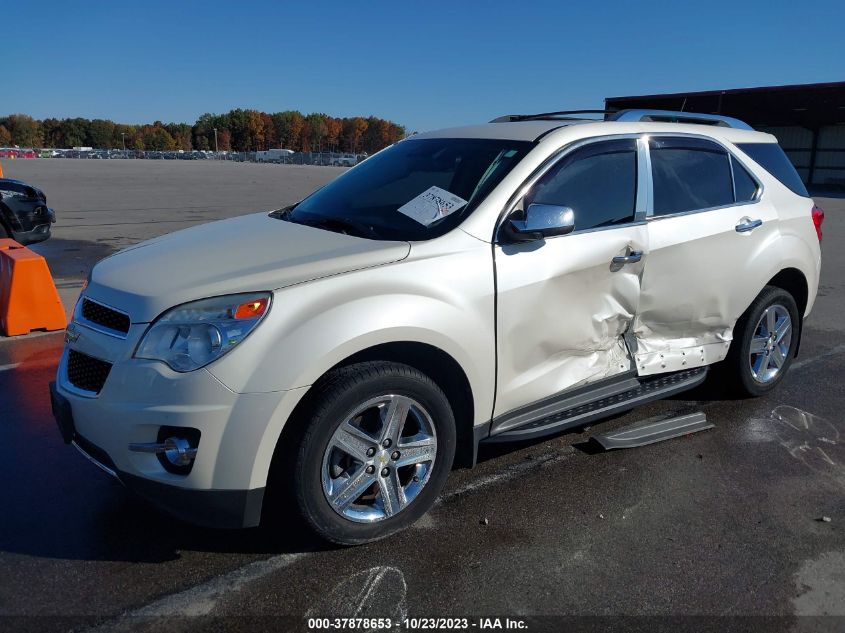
[486, 283]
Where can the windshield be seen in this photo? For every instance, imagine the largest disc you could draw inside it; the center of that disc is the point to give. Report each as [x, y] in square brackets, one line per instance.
[417, 189]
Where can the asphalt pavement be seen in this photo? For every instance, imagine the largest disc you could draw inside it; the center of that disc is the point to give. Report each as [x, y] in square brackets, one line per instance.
[726, 522]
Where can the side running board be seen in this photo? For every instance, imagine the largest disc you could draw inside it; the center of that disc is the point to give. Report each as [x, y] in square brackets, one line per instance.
[654, 430]
[586, 405]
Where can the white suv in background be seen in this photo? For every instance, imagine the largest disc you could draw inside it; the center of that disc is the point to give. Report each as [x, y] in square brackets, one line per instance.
[486, 283]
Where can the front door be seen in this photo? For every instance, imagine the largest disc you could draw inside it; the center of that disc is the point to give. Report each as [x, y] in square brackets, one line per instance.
[563, 304]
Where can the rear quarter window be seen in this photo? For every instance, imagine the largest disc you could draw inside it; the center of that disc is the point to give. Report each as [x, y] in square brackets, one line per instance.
[772, 158]
[744, 185]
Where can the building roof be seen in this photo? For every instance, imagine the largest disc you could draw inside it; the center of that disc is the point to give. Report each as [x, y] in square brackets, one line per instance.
[806, 105]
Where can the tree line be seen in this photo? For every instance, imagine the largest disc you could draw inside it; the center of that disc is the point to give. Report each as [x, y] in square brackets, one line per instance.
[237, 130]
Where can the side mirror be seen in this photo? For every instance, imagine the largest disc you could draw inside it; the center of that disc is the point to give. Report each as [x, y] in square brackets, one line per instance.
[541, 221]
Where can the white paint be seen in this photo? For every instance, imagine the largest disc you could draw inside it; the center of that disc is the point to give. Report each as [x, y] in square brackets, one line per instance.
[378, 592]
[821, 586]
[813, 440]
[833, 351]
[201, 599]
[510, 472]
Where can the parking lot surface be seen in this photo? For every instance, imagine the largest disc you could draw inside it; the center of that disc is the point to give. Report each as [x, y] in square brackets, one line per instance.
[726, 522]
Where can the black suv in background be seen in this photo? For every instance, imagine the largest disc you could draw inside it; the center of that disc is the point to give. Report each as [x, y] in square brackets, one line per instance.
[24, 214]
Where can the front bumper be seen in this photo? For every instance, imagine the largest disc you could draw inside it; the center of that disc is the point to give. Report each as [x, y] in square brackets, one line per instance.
[208, 508]
[39, 233]
[238, 432]
[33, 226]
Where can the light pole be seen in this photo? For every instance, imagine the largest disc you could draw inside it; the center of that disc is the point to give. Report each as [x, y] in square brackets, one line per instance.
[123, 140]
[215, 144]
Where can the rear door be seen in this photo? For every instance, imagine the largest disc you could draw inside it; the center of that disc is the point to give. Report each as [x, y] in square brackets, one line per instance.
[708, 234]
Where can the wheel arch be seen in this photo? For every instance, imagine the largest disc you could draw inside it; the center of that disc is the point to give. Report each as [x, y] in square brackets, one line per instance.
[795, 283]
[439, 365]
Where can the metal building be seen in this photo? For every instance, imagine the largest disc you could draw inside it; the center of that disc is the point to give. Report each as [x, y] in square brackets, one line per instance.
[807, 119]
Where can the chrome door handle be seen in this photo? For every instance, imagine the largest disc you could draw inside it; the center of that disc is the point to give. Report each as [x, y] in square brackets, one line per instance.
[631, 258]
[747, 224]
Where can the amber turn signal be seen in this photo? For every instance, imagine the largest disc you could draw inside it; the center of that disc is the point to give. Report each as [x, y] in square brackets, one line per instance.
[252, 309]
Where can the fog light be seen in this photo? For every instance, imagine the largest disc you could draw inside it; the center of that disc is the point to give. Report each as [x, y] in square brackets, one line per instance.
[177, 450]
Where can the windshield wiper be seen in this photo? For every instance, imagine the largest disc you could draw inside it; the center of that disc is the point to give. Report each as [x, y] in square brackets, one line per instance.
[337, 225]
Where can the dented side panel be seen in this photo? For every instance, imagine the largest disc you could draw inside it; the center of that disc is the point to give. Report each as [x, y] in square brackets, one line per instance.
[700, 276]
[562, 311]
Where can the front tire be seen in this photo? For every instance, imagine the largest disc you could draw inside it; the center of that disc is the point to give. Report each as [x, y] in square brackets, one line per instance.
[765, 340]
[374, 453]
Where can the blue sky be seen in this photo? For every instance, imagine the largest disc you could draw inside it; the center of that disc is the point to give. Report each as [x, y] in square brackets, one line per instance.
[422, 64]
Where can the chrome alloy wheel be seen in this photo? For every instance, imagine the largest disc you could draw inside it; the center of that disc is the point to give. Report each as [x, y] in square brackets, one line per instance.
[770, 343]
[379, 458]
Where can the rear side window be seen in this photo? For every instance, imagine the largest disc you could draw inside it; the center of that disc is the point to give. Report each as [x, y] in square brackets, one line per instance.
[771, 157]
[689, 175]
[744, 185]
[598, 182]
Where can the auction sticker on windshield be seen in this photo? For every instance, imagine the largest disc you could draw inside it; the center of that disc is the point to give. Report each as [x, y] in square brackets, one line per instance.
[431, 205]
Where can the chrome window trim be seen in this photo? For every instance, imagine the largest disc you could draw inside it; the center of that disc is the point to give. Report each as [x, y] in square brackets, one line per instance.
[645, 179]
[657, 218]
[548, 164]
[757, 197]
[81, 320]
[733, 177]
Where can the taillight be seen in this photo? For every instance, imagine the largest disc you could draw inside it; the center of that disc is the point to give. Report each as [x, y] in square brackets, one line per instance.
[818, 218]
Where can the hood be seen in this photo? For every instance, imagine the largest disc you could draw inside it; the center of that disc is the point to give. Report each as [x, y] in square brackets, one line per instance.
[242, 254]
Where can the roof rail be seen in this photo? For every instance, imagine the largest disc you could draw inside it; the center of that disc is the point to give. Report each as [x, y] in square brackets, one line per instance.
[671, 116]
[562, 114]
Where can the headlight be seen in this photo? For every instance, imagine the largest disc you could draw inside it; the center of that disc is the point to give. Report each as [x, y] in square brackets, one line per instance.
[192, 335]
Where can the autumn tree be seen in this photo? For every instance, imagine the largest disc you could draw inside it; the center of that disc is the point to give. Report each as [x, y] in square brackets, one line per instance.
[24, 130]
[333, 128]
[224, 140]
[240, 130]
[289, 129]
[181, 133]
[155, 137]
[271, 139]
[100, 134]
[5, 136]
[353, 133]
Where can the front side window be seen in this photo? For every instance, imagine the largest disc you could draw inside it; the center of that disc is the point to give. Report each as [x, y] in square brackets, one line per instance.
[598, 182]
[417, 189]
[689, 175]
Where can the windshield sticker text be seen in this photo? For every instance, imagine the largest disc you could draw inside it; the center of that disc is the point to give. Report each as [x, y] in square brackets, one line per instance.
[431, 205]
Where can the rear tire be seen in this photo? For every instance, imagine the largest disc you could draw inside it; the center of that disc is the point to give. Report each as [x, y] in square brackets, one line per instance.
[771, 324]
[356, 476]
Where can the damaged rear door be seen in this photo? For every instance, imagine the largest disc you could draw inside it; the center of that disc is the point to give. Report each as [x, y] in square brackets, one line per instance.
[563, 305]
[711, 243]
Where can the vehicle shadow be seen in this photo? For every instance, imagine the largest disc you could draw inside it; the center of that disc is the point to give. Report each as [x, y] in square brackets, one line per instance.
[70, 259]
[57, 505]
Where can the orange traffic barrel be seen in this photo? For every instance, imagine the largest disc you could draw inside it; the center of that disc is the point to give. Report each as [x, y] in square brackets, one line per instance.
[28, 297]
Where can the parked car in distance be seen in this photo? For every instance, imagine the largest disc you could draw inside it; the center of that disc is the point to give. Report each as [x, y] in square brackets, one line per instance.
[345, 160]
[492, 283]
[24, 214]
